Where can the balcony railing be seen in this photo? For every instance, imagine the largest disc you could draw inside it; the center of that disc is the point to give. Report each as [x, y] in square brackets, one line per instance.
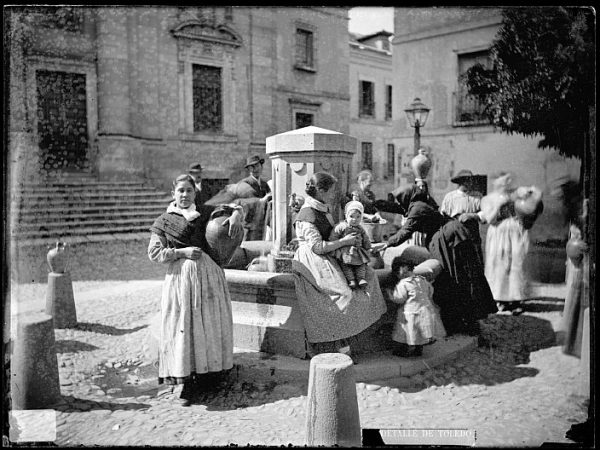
[468, 110]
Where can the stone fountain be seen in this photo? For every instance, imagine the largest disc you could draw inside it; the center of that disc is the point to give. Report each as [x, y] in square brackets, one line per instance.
[266, 315]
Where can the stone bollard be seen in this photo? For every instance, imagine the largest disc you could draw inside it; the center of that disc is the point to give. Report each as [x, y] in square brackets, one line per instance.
[60, 303]
[584, 365]
[332, 415]
[34, 380]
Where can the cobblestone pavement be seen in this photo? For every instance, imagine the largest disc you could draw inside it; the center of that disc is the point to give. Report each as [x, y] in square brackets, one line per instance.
[516, 389]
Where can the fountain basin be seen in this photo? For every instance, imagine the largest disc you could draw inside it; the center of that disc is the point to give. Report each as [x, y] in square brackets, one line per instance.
[267, 316]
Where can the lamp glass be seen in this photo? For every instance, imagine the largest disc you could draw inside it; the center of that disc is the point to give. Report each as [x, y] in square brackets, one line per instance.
[417, 113]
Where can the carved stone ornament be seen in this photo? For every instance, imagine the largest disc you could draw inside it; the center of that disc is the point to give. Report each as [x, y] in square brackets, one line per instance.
[197, 30]
[297, 167]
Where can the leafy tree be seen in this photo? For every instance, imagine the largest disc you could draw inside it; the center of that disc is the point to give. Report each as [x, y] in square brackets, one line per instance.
[542, 76]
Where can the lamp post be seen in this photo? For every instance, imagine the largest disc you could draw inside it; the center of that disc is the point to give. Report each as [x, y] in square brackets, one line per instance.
[417, 113]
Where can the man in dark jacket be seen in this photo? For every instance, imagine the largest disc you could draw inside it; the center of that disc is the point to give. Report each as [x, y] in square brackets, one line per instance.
[202, 194]
[254, 166]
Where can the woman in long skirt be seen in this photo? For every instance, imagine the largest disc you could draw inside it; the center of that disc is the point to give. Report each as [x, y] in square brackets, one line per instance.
[196, 334]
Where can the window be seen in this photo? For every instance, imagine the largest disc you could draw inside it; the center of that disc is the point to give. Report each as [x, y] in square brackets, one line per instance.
[388, 102]
[366, 155]
[366, 99]
[389, 172]
[304, 49]
[469, 110]
[62, 123]
[206, 93]
[304, 120]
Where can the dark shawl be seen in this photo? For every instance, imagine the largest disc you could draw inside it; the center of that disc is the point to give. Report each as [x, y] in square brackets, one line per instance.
[421, 215]
[180, 233]
[318, 218]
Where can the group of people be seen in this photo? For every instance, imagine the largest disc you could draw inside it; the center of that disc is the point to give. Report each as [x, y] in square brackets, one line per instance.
[338, 293]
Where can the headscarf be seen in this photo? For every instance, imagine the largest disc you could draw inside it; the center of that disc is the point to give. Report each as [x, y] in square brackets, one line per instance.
[414, 193]
[354, 205]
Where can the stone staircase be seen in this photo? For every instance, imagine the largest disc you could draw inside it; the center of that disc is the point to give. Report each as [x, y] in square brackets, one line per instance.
[78, 209]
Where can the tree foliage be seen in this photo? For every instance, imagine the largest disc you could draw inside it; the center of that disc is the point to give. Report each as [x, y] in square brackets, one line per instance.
[542, 77]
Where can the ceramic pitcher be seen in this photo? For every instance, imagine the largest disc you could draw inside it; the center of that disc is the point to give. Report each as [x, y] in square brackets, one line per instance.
[421, 164]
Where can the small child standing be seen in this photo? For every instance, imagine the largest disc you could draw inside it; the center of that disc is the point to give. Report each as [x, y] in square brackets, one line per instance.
[353, 259]
[417, 321]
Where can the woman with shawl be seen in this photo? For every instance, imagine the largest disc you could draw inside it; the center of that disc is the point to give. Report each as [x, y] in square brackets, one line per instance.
[460, 290]
[196, 332]
[333, 313]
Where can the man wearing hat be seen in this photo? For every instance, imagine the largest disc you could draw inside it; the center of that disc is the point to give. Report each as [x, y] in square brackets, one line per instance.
[202, 195]
[254, 194]
[254, 166]
[460, 201]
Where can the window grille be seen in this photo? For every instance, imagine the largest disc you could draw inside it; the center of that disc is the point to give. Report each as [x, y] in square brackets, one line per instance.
[469, 109]
[62, 119]
[366, 99]
[206, 92]
[366, 155]
[304, 48]
[388, 102]
[391, 151]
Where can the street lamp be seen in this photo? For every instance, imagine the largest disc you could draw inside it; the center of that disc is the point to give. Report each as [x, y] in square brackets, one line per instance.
[417, 113]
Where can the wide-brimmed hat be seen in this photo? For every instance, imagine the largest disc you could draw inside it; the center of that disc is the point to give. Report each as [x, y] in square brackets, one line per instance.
[195, 167]
[254, 160]
[412, 255]
[461, 176]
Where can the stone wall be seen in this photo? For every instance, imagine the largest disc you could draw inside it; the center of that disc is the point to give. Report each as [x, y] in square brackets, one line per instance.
[425, 64]
[140, 120]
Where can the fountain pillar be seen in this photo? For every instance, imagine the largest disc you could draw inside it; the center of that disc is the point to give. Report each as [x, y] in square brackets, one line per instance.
[295, 155]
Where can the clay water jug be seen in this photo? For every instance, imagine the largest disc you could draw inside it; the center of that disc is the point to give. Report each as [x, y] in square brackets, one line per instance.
[528, 204]
[58, 257]
[421, 164]
[221, 245]
[576, 247]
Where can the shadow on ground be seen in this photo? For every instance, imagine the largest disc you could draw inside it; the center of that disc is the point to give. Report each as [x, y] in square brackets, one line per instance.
[107, 329]
[70, 346]
[241, 387]
[70, 403]
[504, 347]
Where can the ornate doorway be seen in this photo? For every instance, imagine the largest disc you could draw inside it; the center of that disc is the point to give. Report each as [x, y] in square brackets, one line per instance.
[62, 123]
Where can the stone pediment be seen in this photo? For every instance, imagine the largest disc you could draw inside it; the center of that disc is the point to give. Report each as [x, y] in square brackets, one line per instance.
[201, 31]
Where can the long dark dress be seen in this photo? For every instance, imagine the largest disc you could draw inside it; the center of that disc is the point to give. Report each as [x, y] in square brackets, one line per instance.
[461, 289]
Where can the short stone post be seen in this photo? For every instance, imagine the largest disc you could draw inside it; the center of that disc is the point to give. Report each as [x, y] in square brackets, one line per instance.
[332, 415]
[60, 303]
[34, 379]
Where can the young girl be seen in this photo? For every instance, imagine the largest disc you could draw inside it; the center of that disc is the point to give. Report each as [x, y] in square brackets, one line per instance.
[353, 259]
[417, 322]
[196, 335]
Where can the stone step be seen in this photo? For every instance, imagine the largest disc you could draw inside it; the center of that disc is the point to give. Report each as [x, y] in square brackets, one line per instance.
[83, 231]
[71, 215]
[91, 183]
[64, 225]
[41, 189]
[105, 201]
[154, 207]
[82, 206]
[92, 195]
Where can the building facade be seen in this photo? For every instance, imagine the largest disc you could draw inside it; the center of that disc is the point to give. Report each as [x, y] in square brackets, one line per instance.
[432, 47]
[141, 92]
[371, 93]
